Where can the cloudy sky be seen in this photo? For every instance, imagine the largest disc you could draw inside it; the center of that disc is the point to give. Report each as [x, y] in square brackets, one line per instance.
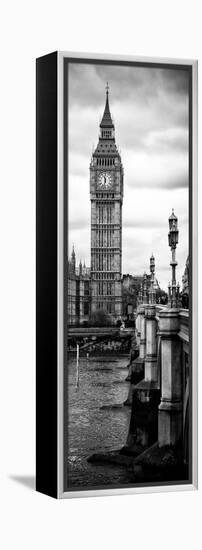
[150, 110]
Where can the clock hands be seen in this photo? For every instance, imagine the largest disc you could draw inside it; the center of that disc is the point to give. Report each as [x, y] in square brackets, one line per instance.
[105, 180]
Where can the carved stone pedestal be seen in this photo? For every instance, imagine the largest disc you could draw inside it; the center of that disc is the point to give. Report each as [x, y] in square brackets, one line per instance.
[136, 374]
[143, 430]
[170, 408]
[145, 395]
[136, 371]
[151, 373]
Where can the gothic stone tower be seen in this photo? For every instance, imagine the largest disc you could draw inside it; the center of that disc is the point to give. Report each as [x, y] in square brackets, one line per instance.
[106, 194]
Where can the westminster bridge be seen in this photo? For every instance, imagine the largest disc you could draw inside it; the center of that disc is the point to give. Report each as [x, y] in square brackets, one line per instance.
[163, 363]
[157, 443]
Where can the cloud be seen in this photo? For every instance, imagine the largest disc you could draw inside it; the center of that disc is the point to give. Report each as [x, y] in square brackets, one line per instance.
[153, 170]
[149, 223]
[143, 223]
[78, 224]
[175, 181]
[150, 109]
[87, 83]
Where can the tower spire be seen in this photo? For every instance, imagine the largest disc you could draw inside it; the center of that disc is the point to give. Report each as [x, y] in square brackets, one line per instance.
[107, 121]
[73, 259]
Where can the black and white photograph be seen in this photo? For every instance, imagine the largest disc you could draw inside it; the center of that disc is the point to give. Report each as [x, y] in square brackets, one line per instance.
[127, 274]
[100, 275]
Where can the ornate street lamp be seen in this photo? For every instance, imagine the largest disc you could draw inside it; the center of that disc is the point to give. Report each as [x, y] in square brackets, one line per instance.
[152, 292]
[173, 241]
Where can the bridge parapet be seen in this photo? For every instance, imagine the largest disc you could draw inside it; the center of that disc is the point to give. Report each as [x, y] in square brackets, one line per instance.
[184, 325]
[166, 366]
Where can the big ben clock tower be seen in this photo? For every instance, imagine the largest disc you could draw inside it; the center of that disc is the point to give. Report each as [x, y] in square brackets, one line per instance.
[106, 195]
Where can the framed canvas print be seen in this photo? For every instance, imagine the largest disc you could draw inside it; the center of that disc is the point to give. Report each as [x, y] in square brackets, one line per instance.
[116, 387]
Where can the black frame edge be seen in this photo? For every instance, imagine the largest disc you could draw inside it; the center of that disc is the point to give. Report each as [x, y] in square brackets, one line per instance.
[46, 274]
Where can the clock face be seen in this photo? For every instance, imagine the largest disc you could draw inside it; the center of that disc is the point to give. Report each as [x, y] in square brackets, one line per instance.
[105, 180]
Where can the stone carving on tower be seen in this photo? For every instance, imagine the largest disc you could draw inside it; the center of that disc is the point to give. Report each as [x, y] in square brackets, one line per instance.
[106, 195]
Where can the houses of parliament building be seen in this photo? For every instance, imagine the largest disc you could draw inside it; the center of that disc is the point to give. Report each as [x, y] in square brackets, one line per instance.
[99, 288]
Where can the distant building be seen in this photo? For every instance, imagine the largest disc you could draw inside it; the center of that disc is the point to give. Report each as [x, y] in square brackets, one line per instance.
[131, 280]
[79, 291]
[185, 286]
[136, 290]
[131, 290]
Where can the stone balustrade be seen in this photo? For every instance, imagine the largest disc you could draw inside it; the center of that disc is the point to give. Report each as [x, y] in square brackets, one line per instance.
[162, 395]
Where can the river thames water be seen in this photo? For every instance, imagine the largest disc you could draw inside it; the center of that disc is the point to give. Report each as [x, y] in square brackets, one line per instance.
[94, 425]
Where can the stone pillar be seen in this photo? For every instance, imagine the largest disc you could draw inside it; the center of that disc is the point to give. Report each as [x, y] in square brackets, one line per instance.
[151, 373]
[170, 408]
[142, 333]
[136, 371]
[143, 430]
[137, 327]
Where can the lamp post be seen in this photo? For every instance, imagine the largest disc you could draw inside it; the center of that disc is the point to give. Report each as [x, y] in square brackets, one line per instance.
[173, 241]
[169, 294]
[152, 293]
